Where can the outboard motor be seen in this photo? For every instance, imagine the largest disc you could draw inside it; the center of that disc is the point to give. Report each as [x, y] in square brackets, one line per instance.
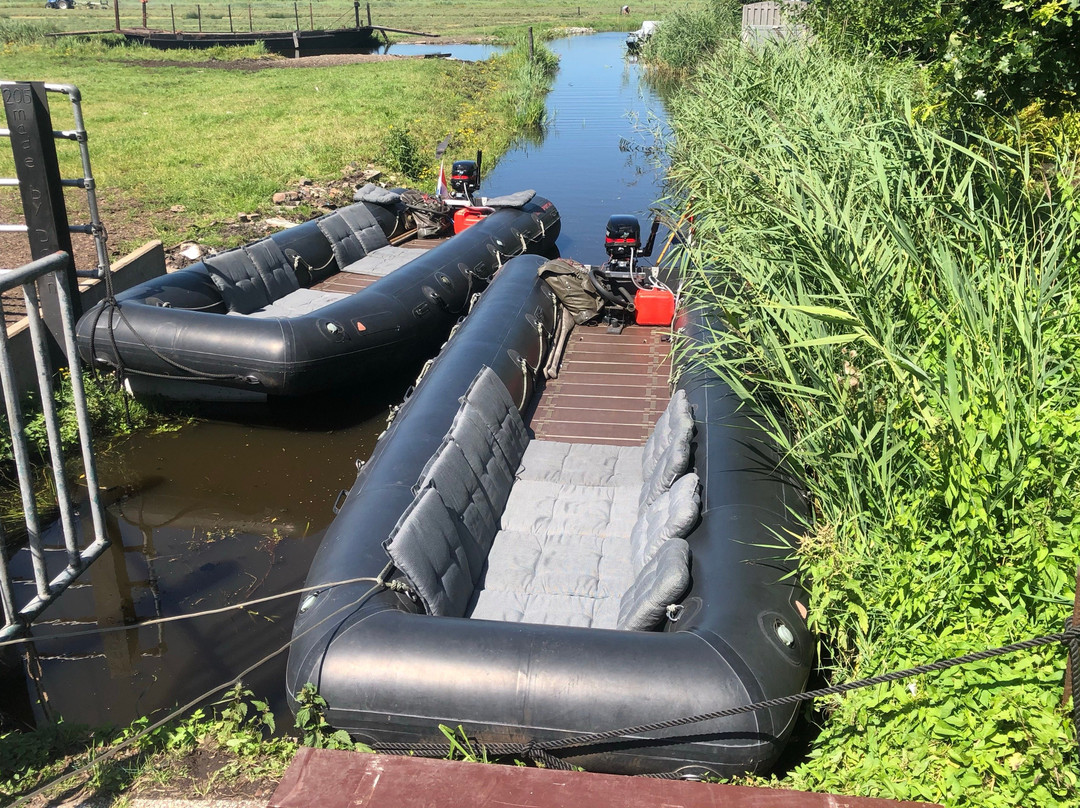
[465, 178]
[624, 285]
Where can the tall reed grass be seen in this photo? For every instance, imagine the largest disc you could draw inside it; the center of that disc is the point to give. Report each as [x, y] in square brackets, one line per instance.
[900, 308]
[689, 33]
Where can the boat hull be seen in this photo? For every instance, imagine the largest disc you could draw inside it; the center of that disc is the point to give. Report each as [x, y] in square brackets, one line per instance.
[392, 675]
[177, 327]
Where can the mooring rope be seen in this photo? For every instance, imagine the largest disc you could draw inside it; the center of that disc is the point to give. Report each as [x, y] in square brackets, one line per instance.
[380, 582]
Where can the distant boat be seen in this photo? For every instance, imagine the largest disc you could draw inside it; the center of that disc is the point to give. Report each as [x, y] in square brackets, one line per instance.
[359, 39]
[636, 41]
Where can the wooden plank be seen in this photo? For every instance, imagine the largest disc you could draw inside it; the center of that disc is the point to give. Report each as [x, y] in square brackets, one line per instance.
[611, 388]
[330, 778]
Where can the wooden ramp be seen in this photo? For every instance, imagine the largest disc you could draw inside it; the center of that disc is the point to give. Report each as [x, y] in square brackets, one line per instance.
[329, 778]
[611, 387]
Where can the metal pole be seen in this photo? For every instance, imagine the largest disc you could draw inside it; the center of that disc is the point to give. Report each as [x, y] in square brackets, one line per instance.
[356, 11]
[296, 13]
[143, 13]
[22, 467]
[41, 188]
[231, 29]
[530, 45]
[369, 15]
[251, 22]
[198, 10]
[116, 14]
[82, 418]
[311, 15]
[172, 13]
[52, 424]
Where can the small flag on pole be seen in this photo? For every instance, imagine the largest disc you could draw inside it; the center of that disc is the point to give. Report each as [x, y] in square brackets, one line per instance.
[441, 190]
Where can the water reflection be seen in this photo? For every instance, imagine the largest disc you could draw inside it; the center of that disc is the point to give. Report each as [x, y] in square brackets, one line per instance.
[233, 507]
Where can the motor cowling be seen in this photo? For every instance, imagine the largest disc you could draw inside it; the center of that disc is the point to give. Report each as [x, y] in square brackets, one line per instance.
[622, 237]
[464, 179]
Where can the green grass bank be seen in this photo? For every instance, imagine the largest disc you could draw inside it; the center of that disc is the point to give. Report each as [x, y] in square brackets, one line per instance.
[180, 146]
[900, 308]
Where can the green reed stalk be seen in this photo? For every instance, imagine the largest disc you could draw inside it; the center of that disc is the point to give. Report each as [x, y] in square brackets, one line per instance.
[900, 309]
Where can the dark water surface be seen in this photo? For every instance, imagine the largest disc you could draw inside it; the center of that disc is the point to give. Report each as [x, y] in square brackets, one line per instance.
[224, 510]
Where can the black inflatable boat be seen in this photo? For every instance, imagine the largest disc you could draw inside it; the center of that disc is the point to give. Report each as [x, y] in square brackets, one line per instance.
[546, 589]
[283, 316]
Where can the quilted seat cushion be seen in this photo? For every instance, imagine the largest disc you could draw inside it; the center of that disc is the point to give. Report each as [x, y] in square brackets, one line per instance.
[581, 463]
[554, 508]
[589, 566]
[426, 548]
[252, 277]
[662, 582]
[672, 515]
[353, 233]
[546, 609]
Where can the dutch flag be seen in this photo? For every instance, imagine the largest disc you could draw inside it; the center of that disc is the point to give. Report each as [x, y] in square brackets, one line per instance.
[441, 190]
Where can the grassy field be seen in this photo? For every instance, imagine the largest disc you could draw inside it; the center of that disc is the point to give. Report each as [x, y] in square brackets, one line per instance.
[463, 18]
[177, 149]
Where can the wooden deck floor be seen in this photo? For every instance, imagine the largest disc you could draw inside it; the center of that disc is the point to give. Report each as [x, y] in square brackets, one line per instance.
[611, 387]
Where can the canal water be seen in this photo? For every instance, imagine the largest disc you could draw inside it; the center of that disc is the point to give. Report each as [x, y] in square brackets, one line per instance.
[227, 510]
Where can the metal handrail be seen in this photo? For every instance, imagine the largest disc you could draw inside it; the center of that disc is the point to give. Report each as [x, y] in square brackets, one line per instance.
[86, 182]
[18, 616]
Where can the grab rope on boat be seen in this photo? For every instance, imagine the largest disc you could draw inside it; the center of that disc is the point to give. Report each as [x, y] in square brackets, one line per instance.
[540, 751]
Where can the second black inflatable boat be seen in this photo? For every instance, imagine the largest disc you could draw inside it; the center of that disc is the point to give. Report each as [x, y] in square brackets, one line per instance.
[542, 588]
[283, 317]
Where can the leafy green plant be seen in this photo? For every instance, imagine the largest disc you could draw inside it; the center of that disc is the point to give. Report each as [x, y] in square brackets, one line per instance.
[314, 729]
[898, 306]
[401, 152]
[1003, 55]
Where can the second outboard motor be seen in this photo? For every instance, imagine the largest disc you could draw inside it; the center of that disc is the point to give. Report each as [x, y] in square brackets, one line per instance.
[464, 179]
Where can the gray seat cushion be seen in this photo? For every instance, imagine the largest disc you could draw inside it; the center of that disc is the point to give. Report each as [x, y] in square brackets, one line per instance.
[296, 304]
[667, 451]
[541, 507]
[426, 548]
[554, 564]
[514, 200]
[672, 515]
[581, 463]
[353, 233]
[661, 583]
[376, 194]
[496, 411]
[546, 609]
[252, 277]
[675, 424]
[383, 261]
[467, 499]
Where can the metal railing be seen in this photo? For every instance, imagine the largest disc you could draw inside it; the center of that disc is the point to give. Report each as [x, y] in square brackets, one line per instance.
[47, 584]
[95, 228]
